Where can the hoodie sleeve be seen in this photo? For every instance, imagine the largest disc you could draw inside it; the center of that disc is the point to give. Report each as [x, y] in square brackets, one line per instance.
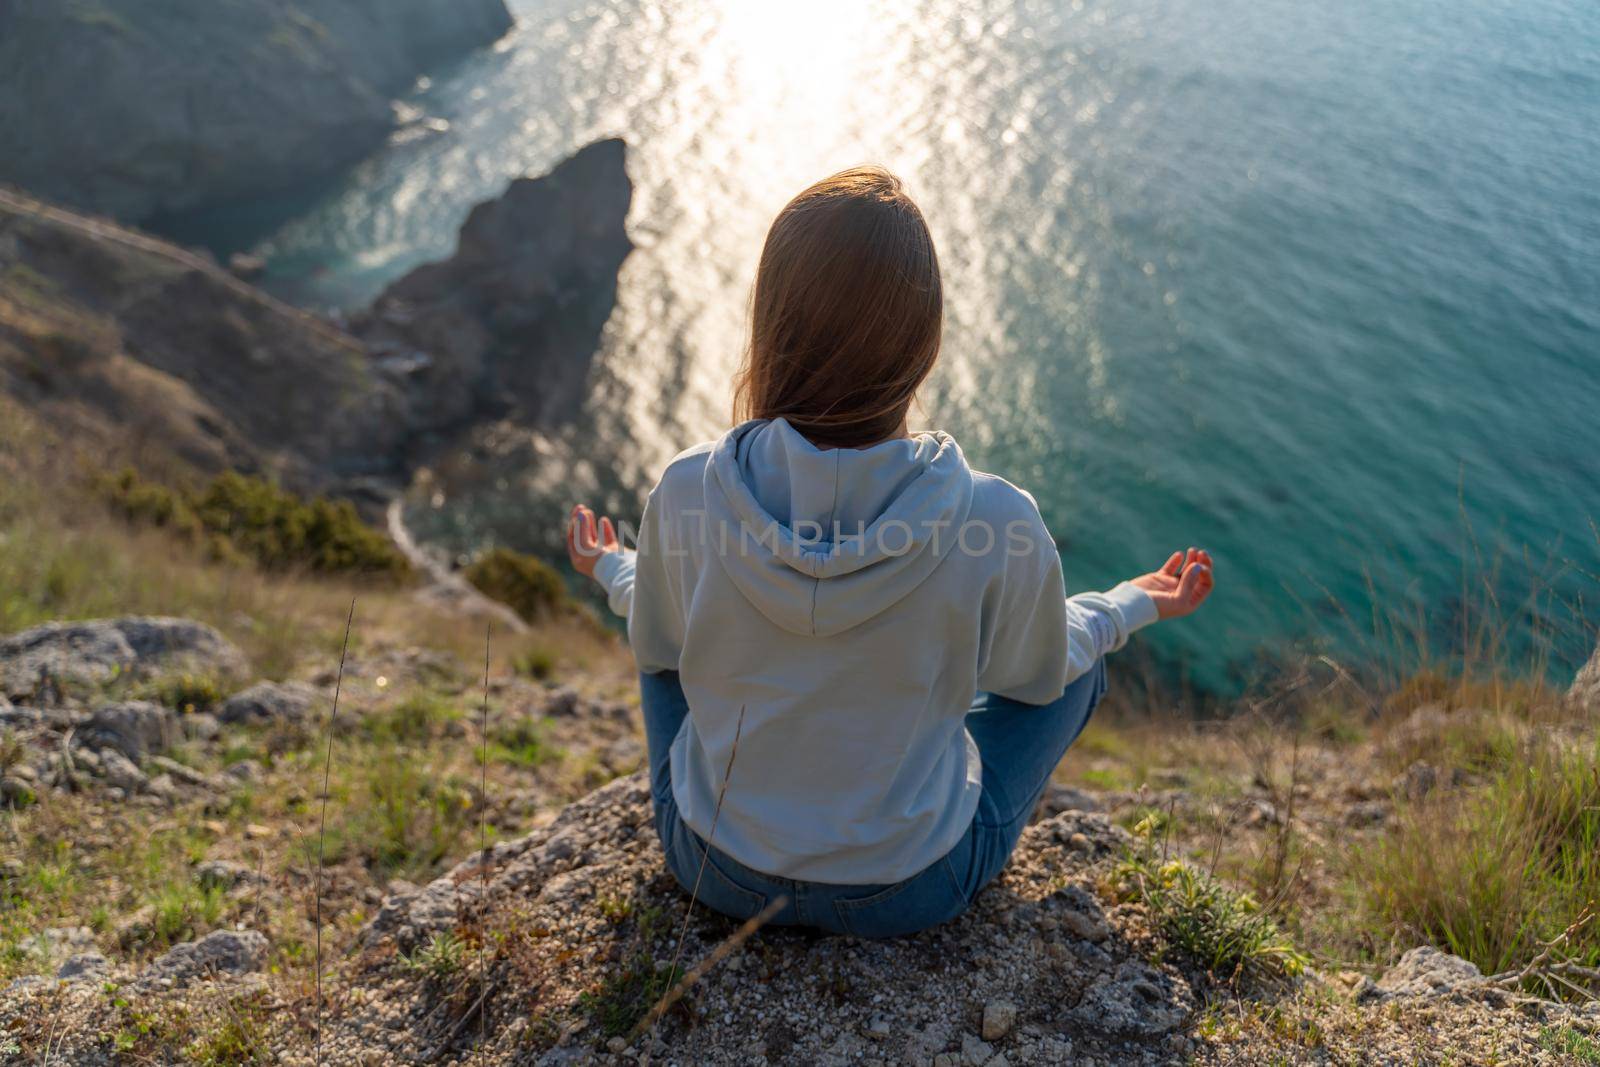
[615, 572]
[1044, 640]
[643, 587]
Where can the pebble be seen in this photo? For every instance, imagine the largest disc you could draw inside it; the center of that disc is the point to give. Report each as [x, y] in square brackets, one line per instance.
[999, 1016]
[975, 1053]
[1084, 926]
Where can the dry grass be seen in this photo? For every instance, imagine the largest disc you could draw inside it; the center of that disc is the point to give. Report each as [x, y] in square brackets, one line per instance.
[1495, 873]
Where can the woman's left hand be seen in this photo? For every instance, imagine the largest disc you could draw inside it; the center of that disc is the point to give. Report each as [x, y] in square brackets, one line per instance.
[588, 540]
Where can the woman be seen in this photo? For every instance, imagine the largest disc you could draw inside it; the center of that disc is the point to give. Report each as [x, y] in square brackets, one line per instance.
[858, 663]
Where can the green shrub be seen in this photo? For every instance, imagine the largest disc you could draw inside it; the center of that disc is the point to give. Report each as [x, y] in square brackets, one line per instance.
[536, 663]
[1568, 1042]
[12, 750]
[1224, 931]
[241, 517]
[528, 586]
[239, 1036]
[439, 959]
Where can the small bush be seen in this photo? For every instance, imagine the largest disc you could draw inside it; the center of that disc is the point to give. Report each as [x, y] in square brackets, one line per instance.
[440, 959]
[1566, 1041]
[528, 586]
[536, 663]
[247, 518]
[11, 750]
[1225, 932]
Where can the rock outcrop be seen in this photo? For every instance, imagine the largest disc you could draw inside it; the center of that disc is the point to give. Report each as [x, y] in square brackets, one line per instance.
[1585, 691]
[136, 109]
[1427, 972]
[1014, 981]
[224, 952]
[136, 729]
[95, 651]
[269, 702]
[508, 324]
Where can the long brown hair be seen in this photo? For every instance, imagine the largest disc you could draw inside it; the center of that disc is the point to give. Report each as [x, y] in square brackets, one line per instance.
[847, 312]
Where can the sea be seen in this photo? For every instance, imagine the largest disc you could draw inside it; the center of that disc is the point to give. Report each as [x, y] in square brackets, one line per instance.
[1315, 286]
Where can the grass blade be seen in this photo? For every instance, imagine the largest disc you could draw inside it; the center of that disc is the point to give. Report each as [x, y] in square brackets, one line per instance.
[322, 818]
[483, 852]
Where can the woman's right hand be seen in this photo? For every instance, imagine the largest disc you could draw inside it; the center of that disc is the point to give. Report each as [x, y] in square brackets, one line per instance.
[1181, 585]
[588, 540]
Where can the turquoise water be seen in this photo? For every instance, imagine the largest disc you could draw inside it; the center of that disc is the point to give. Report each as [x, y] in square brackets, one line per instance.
[1314, 285]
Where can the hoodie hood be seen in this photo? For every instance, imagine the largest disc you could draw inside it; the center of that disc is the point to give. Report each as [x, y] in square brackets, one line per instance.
[821, 540]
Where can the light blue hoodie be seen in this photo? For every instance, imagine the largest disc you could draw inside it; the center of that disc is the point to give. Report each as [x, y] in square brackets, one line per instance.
[850, 602]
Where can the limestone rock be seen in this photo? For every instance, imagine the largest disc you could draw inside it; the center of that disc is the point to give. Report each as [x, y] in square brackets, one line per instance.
[1426, 972]
[200, 726]
[120, 772]
[225, 874]
[84, 966]
[1585, 691]
[137, 729]
[268, 702]
[223, 952]
[1059, 798]
[590, 877]
[60, 942]
[178, 772]
[1137, 1000]
[34, 661]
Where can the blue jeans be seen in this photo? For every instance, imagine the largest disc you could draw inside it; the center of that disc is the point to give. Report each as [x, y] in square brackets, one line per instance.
[1020, 745]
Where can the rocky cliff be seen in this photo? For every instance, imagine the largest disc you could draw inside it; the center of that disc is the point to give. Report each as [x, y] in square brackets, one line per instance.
[146, 350]
[507, 325]
[137, 109]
